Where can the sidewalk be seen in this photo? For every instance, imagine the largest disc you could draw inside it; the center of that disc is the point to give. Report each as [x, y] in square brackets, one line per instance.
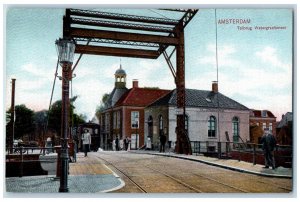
[87, 175]
[235, 165]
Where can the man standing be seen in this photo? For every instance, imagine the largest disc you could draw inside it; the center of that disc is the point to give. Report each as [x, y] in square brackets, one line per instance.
[162, 139]
[268, 142]
[126, 142]
[86, 141]
[117, 144]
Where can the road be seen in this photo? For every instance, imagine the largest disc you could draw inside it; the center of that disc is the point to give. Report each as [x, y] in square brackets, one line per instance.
[143, 173]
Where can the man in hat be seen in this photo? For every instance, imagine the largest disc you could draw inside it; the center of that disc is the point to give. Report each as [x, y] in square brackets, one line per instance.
[268, 142]
[86, 141]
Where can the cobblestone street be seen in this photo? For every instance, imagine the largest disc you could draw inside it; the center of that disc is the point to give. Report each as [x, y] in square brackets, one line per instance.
[159, 174]
[149, 172]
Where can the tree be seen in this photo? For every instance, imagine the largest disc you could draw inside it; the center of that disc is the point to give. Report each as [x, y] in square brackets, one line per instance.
[54, 114]
[101, 107]
[23, 121]
[40, 121]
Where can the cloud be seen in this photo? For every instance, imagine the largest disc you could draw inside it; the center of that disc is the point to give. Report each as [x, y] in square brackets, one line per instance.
[38, 70]
[263, 83]
[225, 56]
[269, 56]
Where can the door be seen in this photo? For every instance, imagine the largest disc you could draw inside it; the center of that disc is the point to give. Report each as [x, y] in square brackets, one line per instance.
[134, 144]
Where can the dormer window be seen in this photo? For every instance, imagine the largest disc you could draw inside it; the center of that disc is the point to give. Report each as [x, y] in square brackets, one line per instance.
[264, 113]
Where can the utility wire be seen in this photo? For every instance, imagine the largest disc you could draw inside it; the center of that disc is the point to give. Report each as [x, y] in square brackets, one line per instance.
[159, 14]
[79, 57]
[55, 75]
[217, 65]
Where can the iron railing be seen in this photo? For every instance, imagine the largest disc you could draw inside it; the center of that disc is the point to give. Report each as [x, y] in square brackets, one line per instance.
[250, 152]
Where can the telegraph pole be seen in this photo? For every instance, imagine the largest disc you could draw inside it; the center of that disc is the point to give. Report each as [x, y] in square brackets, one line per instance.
[12, 115]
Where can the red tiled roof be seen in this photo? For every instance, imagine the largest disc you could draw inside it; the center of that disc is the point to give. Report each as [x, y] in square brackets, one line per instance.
[140, 97]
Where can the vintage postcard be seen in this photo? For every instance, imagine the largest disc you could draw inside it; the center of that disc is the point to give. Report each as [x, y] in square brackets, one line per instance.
[115, 100]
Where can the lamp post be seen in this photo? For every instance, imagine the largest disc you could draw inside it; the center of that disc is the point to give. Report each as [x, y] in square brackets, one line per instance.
[65, 50]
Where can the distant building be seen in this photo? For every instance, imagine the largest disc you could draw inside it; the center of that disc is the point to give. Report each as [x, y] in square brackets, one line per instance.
[259, 120]
[123, 115]
[284, 129]
[206, 112]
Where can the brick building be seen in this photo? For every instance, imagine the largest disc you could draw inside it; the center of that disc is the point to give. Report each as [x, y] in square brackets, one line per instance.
[123, 115]
[259, 120]
[284, 129]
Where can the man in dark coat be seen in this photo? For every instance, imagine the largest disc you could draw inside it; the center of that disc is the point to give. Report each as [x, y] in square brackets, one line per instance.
[268, 142]
[162, 140]
[117, 144]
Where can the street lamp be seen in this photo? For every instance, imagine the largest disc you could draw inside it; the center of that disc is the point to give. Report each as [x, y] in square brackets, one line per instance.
[65, 50]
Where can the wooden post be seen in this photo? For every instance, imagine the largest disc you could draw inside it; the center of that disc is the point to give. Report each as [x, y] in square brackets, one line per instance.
[254, 154]
[183, 143]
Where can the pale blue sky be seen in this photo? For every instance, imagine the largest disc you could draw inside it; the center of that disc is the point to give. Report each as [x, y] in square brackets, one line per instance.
[255, 67]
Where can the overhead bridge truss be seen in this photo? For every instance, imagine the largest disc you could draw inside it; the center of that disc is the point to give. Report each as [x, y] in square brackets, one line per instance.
[123, 35]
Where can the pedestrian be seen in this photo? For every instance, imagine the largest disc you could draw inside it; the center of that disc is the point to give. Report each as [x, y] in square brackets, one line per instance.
[268, 142]
[126, 143]
[86, 141]
[148, 144]
[48, 145]
[117, 144]
[162, 140]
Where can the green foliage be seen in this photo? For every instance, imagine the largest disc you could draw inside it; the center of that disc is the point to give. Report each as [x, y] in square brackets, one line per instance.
[24, 119]
[54, 114]
[101, 107]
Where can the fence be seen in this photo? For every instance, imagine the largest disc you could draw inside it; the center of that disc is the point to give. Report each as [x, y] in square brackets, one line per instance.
[249, 152]
[26, 161]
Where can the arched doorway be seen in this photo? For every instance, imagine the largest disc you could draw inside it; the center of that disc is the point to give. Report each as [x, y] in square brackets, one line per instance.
[149, 138]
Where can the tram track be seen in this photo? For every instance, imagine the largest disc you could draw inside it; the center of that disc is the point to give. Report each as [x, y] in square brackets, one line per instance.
[140, 187]
[150, 163]
[177, 180]
[240, 189]
[124, 174]
[196, 190]
[272, 184]
[211, 179]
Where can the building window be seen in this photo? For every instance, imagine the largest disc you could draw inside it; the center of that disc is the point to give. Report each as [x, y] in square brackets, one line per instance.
[235, 129]
[118, 119]
[270, 127]
[160, 124]
[135, 117]
[264, 113]
[107, 122]
[212, 126]
[186, 123]
[150, 126]
[115, 120]
[264, 126]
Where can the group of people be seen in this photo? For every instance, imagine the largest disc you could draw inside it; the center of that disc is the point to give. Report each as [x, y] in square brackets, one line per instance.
[121, 145]
[268, 142]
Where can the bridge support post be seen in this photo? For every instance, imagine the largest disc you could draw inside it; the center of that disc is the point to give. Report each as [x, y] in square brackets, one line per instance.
[183, 145]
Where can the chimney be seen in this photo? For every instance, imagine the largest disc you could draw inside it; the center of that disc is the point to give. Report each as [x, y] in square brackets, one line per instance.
[214, 87]
[135, 83]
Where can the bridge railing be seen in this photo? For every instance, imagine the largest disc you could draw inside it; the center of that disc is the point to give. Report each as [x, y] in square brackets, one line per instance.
[27, 161]
[249, 152]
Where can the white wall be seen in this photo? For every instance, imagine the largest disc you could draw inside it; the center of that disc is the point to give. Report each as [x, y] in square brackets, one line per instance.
[198, 123]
